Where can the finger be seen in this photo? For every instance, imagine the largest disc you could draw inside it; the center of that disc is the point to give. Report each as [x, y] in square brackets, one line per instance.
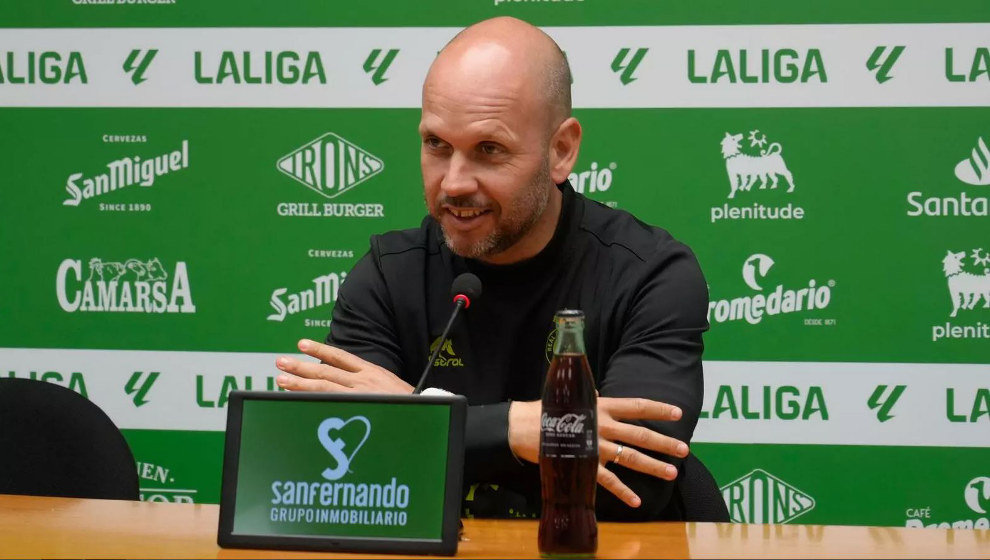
[610, 482]
[636, 460]
[294, 383]
[333, 356]
[643, 438]
[313, 370]
[639, 409]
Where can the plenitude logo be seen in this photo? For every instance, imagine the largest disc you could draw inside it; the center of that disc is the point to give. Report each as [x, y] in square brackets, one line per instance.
[131, 285]
[968, 281]
[330, 165]
[125, 172]
[322, 293]
[760, 497]
[330, 501]
[761, 164]
[781, 300]
[972, 170]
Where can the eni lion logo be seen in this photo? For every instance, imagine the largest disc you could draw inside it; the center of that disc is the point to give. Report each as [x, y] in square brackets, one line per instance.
[966, 288]
[745, 169]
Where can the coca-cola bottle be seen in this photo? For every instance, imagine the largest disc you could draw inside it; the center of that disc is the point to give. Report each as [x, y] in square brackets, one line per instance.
[569, 445]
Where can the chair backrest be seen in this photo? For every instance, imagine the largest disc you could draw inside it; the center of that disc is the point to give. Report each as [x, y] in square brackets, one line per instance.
[701, 500]
[55, 442]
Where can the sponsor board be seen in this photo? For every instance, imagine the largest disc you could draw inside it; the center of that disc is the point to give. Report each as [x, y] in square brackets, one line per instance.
[838, 65]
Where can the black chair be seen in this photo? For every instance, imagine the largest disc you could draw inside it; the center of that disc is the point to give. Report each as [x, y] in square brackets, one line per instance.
[700, 498]
[55, 442]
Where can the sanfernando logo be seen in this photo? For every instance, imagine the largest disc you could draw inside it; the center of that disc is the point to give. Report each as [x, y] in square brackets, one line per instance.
[336, 446]
[760, 497]
[330, 165]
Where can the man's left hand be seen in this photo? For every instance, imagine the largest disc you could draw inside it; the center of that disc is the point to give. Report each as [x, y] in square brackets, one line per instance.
[340, 372]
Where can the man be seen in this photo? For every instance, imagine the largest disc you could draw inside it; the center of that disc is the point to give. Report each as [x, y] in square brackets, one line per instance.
[498, 142]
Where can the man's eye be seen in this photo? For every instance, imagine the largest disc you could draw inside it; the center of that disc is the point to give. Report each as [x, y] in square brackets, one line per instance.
[490, 148]
[433, 142]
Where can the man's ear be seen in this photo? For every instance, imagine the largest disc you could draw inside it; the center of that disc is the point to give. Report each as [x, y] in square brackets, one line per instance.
[564, 146]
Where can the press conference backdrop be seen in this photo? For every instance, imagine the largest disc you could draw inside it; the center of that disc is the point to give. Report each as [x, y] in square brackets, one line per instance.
[186, 185]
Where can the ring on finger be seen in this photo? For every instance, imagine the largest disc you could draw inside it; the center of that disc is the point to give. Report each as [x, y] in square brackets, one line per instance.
[618, 454]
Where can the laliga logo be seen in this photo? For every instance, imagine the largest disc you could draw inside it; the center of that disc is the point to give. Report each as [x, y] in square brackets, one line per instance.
[335, 446]
[977, 494]
[758, 262]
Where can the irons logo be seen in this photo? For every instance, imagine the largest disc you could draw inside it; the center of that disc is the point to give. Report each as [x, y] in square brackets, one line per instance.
[760, 497]
[131, 285]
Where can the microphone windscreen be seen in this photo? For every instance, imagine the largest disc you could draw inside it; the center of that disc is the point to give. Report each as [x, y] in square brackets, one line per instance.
[467, 284]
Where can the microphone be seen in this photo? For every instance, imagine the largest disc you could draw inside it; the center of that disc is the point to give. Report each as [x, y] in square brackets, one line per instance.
[465, 288]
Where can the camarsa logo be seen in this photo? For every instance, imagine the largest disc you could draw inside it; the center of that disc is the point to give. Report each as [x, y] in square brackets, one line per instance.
[777, 301]
[121, 286]
[126, 172]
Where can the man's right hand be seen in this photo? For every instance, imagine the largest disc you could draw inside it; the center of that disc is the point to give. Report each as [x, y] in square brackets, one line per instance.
[524, 439]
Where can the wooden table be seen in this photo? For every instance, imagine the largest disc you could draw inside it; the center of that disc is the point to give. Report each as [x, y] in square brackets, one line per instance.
[33, 527]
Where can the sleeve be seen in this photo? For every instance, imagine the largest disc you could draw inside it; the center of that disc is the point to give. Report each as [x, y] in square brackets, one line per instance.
[659, 358]
[363, 322]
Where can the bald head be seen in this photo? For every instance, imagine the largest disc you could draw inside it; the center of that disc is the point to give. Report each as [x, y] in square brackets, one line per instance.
[515, 52]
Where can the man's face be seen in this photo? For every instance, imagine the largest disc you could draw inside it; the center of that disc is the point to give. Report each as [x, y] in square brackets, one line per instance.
[485, 164]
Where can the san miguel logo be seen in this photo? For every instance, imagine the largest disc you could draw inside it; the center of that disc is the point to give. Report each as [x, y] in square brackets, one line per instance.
[780, 300]
[330, 165]
[972, 170]
[760, 164]
[125, 172]
[131, 285]
[323, 292]
[968, 280]
[760, 497]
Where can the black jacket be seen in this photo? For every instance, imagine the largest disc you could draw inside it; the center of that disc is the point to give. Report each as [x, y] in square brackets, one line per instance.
[645, 302]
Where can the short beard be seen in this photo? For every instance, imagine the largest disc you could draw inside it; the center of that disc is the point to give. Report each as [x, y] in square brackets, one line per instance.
[518, 220]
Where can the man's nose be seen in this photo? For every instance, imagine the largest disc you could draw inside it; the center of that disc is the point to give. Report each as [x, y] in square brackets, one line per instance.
[459, 179]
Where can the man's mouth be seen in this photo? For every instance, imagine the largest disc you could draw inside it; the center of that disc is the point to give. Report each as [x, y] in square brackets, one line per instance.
[466, 218]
